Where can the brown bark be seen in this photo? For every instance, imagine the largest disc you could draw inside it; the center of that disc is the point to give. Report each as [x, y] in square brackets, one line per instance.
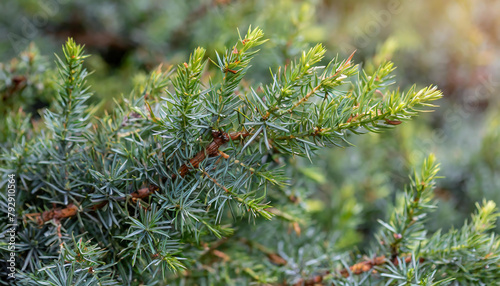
[219, 138]
[356, 269]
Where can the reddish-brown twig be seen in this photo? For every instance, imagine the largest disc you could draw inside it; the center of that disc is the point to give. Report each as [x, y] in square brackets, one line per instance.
[219, 138]
[363, 266]
[356, 269]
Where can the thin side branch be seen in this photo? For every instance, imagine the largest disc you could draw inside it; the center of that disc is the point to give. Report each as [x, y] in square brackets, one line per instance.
[356, 269]
[314, 90]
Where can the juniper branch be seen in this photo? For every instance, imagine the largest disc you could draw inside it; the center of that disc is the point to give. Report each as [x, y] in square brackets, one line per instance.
[220, 138]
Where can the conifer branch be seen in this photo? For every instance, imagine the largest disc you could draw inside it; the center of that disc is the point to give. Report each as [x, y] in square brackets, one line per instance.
[220, 138]
[342, 68]
[406, 223]
[193, 184]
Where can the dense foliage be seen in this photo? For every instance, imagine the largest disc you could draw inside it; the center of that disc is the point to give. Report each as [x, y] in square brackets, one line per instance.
[195, 181]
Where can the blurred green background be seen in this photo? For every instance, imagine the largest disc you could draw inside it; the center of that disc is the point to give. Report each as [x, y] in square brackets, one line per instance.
[453, 44]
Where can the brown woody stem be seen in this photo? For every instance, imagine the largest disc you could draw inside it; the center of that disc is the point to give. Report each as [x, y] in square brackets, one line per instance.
[220, 138]
[356, 269]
